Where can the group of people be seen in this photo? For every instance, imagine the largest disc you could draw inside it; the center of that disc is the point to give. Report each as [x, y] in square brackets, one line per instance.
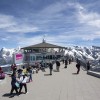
[78, 64]
[65, 61]
[50, 65]
[15, 82]
[21, 76]
[19, 79]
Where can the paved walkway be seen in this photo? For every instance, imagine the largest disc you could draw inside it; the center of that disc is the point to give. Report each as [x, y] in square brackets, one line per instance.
[63, 85]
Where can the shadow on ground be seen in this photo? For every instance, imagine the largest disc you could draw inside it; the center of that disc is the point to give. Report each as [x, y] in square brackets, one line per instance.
[46, 74]
[74, 74]
[11, 96]
[8, 95]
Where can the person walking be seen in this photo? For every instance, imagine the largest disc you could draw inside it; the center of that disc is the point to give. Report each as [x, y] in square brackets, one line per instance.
[23, 81]
[30, 73]
[57, 65]
[78, 67]
[19, 72]
[66, 63]
[14, 68]
[42, 66]
[88, 66]
[69, 61]
[13, 84]
[50, 67]
[24, 70]
[63, 60]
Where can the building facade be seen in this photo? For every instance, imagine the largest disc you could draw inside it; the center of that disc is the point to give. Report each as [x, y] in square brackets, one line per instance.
[42, 52]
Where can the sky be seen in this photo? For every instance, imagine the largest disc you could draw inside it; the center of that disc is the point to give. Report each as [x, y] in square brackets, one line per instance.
[60, 22]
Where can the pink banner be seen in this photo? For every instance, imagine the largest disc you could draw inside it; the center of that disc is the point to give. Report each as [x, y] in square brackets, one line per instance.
[19, 56]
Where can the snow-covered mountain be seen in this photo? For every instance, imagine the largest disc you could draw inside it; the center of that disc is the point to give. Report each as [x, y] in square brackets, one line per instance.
[6, 55]
[82, 53]
[85, 54]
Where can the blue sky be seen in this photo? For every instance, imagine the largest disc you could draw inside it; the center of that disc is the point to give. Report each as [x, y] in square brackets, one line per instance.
[62, 22]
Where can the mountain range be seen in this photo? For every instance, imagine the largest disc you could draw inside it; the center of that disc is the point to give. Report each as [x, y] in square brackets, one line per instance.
[6, 55]
[83, 53]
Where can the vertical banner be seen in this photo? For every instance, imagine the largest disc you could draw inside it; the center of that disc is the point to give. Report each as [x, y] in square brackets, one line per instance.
[18, 58]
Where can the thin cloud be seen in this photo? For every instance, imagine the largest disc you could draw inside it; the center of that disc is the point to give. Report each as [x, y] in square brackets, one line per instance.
[11, 24]
[23, 41]
[92, 19]
[63, 37]
[22, 29]
[64, 22]
[4, 39]
[89, 18]
[6, 21]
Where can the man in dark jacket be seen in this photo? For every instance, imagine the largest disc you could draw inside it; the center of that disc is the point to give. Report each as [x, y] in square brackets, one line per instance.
[66, 63]
[57, 65]
[69, 61]
[50, 67]
[13, 86]
[88, 66]
[78, 67]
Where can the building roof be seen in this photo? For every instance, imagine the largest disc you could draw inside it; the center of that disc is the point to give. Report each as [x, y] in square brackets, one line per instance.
[43, 45]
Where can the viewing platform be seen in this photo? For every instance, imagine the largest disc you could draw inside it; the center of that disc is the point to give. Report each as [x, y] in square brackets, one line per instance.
[63, 85]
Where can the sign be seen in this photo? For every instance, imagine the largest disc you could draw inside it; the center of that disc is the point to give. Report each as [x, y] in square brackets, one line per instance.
[19, 56]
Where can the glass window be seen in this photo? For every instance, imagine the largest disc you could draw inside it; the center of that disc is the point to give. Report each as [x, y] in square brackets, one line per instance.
[38, 58]
[30, 58]
[50, 56]
[33, 58]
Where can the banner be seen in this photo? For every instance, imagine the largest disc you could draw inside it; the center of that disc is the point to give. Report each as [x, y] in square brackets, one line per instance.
[19, 56]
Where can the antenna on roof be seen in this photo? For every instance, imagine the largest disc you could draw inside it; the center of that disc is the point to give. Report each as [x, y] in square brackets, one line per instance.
[44, 38]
